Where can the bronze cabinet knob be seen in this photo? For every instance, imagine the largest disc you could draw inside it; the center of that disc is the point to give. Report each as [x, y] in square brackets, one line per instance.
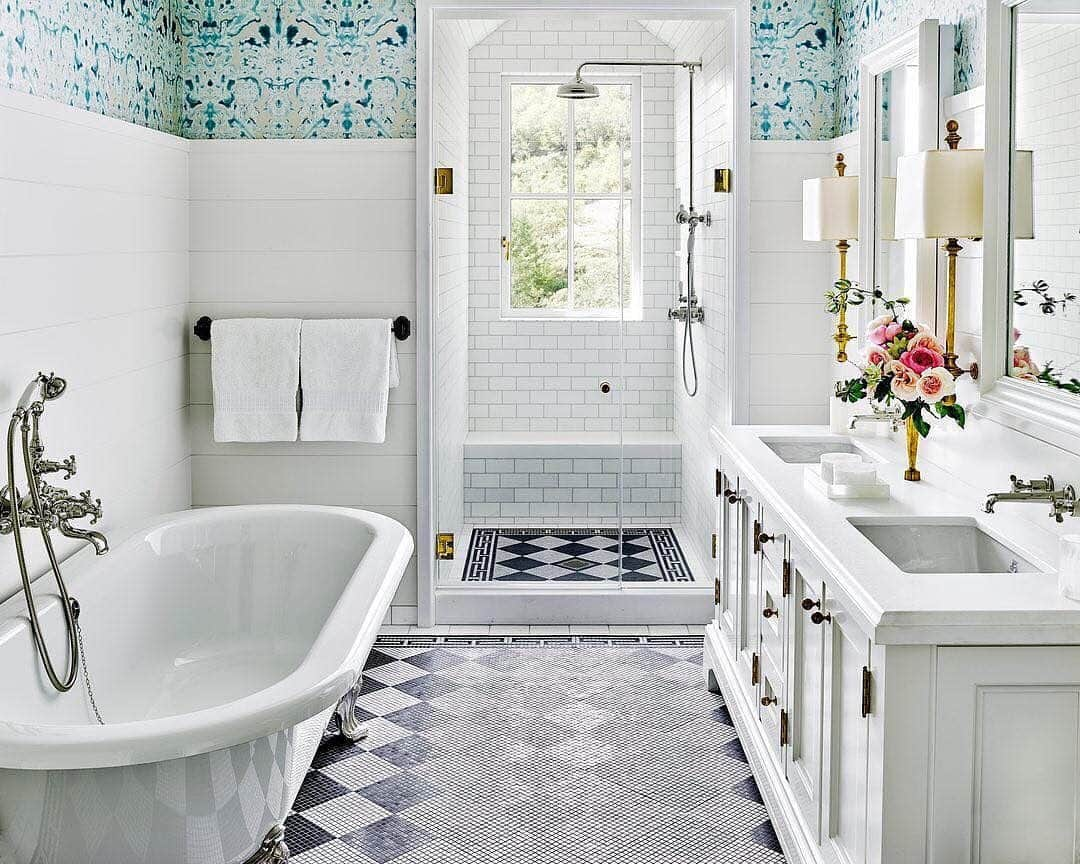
[821, 617]
[809, 604]
[770, 613]
[764, 538]
[768, 700]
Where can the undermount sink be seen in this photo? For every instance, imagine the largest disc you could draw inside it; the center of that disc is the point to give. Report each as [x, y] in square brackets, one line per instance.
[941, 545]
[808, 451]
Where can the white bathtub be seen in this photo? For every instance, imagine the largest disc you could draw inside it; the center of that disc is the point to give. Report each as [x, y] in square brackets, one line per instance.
[219, 642]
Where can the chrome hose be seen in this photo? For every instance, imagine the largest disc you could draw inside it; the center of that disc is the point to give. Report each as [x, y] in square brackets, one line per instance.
[21, 420]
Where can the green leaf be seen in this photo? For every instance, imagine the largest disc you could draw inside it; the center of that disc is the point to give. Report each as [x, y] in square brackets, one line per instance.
[921, 426]
[882, 391]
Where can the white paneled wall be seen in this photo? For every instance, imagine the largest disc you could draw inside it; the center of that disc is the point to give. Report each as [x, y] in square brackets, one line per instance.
[713, 136]
[791, 350]
[451, 257]
[311, 229]
[543, 376]
[94, 279]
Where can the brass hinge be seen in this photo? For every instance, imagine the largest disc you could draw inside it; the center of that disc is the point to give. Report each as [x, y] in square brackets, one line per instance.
[719, 484]
[714, 545]
[786, 585]
[757, 536]
[444, 181]
[721, 180]
[755, 668]
[783, 728]
[716, 592]
[867, 682]
[444, 547]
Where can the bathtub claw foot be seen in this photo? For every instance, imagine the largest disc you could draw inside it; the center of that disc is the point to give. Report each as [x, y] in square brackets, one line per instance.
[273, 849]
[351, 728]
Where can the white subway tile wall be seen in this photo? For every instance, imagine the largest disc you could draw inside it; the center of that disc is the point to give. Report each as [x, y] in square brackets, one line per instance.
[544, 376]
[94, 276]
[551, 491]
[1048, 82]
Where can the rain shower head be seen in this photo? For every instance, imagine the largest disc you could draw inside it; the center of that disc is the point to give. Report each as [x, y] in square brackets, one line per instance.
[578, 89]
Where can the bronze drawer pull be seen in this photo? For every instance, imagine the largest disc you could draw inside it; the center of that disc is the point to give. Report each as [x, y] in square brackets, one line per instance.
[809, 604]
[770, 613]
[821, 617]
[766, 701]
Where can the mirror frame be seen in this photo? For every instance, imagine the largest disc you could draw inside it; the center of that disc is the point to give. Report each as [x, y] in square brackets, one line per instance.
[930, 46]
[1034, 410]
[926, 44]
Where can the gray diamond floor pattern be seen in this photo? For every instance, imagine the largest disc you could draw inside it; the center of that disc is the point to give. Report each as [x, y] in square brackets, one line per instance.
[535, 754]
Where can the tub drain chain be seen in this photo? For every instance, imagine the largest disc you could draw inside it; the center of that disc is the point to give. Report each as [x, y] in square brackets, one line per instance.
[87, 685]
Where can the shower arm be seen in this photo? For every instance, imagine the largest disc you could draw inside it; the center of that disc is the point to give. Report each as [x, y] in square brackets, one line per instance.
[691, 66]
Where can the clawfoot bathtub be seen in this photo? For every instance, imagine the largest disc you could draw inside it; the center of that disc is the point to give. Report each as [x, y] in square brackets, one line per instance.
[219, 642]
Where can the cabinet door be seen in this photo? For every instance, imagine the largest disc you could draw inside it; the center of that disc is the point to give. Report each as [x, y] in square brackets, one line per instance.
[1006, 772]
[806, 662]
[846, 734]
[728, 557]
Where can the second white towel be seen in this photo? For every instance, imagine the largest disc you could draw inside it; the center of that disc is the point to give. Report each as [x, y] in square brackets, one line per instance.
[347, 368]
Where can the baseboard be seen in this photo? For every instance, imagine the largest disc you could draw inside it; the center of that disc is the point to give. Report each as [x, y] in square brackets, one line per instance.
[794, 835]
[503, 605]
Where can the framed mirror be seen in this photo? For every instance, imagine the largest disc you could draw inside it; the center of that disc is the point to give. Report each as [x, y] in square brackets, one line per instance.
[1031, 301]
[900, 91]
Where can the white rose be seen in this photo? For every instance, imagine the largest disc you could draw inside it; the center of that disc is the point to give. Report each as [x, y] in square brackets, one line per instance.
[935, 384]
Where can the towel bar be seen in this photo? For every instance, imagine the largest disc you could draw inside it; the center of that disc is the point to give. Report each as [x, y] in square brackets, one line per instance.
[401, 326]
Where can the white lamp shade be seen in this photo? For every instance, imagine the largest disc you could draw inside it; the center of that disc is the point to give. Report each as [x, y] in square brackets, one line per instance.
[831, 208]
[886, 218]
[1022, 218]
[939, 193]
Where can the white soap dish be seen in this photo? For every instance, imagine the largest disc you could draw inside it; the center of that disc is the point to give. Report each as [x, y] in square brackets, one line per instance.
[814, 480]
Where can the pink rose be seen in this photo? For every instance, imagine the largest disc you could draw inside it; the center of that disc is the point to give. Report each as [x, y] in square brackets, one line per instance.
[935, 384]
[904, 382]
[884, 334]
[925, 339]
[920, 359]
[1023, 366]
[875, 356]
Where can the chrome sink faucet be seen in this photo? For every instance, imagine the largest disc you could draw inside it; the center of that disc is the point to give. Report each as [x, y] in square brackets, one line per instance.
[1062, 502]
[879, 415]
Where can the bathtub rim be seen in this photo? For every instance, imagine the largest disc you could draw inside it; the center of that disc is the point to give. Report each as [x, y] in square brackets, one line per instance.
[315, 685]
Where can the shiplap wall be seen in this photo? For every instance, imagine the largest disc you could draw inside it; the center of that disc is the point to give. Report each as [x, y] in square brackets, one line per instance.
[311, 229]
[791, 350]
[94, 280]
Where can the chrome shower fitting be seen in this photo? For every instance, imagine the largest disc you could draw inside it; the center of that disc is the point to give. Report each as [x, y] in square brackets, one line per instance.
[47, 508]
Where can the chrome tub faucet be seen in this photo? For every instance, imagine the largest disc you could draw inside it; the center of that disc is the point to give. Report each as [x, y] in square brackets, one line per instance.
[46, 508]
[880, 415]
[1062, 501]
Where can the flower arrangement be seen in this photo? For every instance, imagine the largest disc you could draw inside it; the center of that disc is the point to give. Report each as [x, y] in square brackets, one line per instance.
[904, 362]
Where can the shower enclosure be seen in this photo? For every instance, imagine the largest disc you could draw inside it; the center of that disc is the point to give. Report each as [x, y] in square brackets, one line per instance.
[563, 422]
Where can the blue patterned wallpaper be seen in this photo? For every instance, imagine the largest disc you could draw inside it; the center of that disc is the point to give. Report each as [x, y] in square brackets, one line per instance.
[298, 68]
[792, 69]
[863, 25]
[347, 68]
[115, 57]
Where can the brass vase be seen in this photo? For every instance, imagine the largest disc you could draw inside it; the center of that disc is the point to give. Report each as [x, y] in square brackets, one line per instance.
[912, 472]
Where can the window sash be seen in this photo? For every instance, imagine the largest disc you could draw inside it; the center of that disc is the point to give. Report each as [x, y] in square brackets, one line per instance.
[631, 310]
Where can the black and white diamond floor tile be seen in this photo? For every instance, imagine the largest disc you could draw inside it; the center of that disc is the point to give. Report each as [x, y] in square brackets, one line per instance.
[563, 753]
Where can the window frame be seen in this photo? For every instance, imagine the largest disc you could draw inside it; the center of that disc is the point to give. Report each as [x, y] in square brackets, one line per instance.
[631, 311]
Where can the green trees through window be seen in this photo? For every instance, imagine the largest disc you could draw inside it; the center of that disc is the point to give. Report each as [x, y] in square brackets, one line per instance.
[569, 217]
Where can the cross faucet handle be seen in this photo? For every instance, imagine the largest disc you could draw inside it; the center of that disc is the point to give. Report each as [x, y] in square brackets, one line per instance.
[91, 506]
[1044, 485]
[47, 466]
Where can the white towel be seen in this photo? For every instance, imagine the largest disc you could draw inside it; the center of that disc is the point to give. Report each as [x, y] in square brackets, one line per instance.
[255, 364]
[347, 368]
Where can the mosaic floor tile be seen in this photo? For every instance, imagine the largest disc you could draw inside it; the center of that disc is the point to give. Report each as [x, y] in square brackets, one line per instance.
[545, 752]
[539, 555]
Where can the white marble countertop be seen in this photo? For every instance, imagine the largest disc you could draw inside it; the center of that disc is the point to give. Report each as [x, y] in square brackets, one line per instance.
[892, 606]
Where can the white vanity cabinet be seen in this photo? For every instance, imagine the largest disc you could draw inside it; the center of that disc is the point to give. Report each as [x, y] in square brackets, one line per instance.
[907, 748]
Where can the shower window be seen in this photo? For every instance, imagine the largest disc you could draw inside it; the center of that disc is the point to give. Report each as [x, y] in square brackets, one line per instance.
[571, 201]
